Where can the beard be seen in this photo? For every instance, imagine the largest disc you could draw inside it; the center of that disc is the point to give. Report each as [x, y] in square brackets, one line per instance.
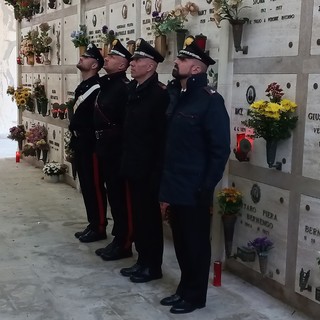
[176, 73]
[79, 66]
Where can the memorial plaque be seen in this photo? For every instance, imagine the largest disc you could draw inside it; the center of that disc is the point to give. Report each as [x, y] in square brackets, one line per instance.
[311, 153]
[95, 20]
[270, 18]
[55, 141]
[239, 110]
[54, 88]
[146, 19]
[71, 54]
[315, 37]
[123, 18]
[264, 214]
[41, 76]
[57, 39]
[71, 82]
[27, 122]
[27, 80]
[308, 247]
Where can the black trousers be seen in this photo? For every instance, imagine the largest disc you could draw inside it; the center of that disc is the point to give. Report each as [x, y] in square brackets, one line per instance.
[117, 197]
[147, 222]
[191, 237]
[92, 188]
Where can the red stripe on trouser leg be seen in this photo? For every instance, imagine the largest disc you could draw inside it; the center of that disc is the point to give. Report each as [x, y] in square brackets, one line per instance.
[98, 191]
[129, 211]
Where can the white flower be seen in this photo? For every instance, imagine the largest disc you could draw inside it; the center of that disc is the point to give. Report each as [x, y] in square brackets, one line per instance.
[54, 169]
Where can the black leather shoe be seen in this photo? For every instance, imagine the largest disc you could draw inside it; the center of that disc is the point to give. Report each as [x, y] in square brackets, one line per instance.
[128, 272]
[116, 253]
[106, 249]
[184, 307]
[92, 236]
[170, 301]
[80, 233]
[145, 275]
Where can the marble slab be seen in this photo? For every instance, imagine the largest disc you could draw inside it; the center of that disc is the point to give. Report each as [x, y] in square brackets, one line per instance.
[123, 17]
[95, 20]
[315, 39]
[239, 110]
[71, 82]
[70, 53]
[264, 214]
[55, 140]
[270, 18]
[311, 154]
[308, 246]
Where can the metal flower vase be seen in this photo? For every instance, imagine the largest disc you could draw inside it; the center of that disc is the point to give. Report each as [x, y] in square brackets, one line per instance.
[237, 29]
[271, 152]
[160, 44]
[38, 153]
[228, 221]
[46, 60]
[20, 144]
[263, 262]
[44, 156]
[181, 35]
[42, 107]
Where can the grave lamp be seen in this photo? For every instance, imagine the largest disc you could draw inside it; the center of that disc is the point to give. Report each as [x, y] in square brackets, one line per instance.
[244, 146]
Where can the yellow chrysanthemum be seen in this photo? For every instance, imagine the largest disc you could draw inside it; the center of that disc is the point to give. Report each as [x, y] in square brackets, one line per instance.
[258, 104]
[288, 105]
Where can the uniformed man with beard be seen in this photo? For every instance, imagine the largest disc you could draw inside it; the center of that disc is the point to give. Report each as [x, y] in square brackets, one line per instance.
[108, 120]
[83, 143]
[197, 149]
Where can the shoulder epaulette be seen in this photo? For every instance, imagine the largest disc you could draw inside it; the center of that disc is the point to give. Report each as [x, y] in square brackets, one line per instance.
[210, 90]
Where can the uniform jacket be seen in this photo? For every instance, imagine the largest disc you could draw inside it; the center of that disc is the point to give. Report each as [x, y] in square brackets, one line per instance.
[82, 123]
[109, 110]
[198, 141]
[144, 128]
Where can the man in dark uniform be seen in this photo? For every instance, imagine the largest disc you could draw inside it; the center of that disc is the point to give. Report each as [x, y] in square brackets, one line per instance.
[83, 143]
[109, 117]
[197, 149]
[143, 146]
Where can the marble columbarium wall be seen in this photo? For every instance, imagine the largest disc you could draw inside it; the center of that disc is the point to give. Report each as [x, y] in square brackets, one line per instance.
[8, 69]
[284, 47]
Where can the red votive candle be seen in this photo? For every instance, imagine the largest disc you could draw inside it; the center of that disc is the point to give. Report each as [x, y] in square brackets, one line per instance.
[201, 41]
[217, 273]
[17, 156]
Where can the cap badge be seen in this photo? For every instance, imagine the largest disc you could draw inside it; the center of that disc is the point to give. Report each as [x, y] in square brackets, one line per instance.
[138, 42]
[187, 42]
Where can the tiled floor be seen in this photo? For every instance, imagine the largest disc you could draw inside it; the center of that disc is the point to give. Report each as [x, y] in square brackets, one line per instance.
[47, 274]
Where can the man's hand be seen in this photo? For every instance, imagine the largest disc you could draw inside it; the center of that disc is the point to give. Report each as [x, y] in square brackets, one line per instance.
[164, 210]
